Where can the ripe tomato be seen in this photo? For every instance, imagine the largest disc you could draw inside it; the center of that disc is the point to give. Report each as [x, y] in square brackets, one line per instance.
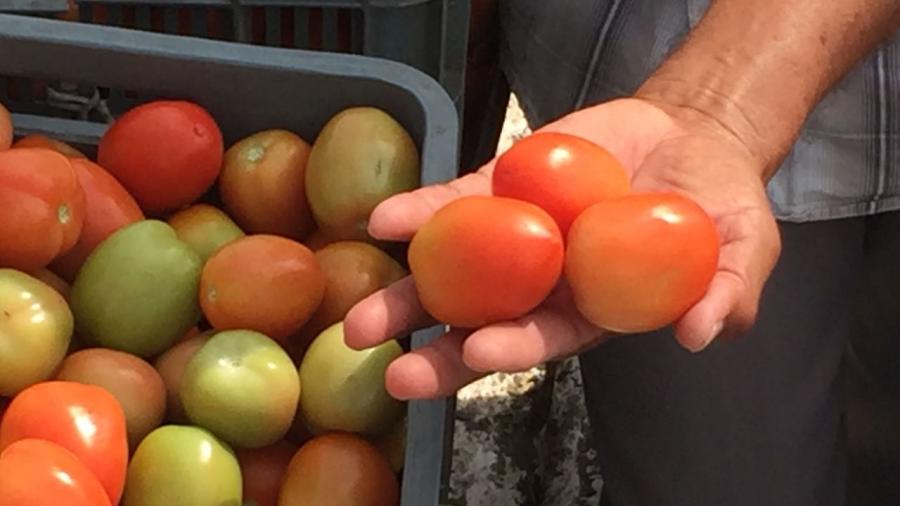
[43, 207]
[265, 283]
[108, 207]
[263, 184]
[481, 260]
[561, 173]
[262, 471]
[638, 263]
[84, 419]
[35, 472]
[339, 470]
[42, 141]
[171, 366]
[166, 153]
[134, 383]
[6, 128]
[204, 228]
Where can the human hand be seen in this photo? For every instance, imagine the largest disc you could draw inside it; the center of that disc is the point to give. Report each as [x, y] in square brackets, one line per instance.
[665, 148]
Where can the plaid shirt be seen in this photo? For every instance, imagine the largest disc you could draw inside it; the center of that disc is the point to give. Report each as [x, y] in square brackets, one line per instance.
[563, 55]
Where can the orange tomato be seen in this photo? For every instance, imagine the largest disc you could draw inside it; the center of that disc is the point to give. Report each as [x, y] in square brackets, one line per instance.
[6, 128]
[84, 419]
[481, 260]
[265, 283]
[262, 471]
[638, 263]
[339, 470]
[35, 472]
[561, 173]
[108, 207]
[263, 184]
[43, 207]
[42, 141]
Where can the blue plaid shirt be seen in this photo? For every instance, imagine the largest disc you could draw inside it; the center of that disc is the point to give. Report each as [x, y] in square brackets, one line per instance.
[562, 55]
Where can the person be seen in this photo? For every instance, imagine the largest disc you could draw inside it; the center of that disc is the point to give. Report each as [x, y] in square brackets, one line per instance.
[782, 119]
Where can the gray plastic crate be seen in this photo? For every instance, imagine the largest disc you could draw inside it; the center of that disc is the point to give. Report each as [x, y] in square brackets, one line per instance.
[247, 89]
[431, 35]
[38, 7]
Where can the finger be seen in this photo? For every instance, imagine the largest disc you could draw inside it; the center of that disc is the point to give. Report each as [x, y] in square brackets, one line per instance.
[432, 371]
[544, 335]
[384, 315]
[398, 218]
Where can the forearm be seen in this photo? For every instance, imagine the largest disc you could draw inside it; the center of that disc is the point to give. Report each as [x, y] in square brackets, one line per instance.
[758, 67]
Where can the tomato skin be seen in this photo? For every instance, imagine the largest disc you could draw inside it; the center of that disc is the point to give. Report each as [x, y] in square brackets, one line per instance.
[109, 207]
[265, 283]
[35, 472]
[43, 207]
[482, 260]
[262, 471]
[42, 141]
[6, 128]
[563, 174]
[205, 229]
[165, 153]
[339, 470]
[638, 263]
[171, 365]
[84, 419]
[263, 184]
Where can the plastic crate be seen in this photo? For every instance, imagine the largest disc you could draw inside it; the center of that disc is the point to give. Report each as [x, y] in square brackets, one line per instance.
[431, 35]
[248, 89]
[38, 7]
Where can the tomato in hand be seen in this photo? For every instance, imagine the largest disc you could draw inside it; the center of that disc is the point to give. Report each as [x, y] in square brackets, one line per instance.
[42, 141]
[84, 419]
[638, 263]
[482, 260]
[165, 153]
[262, 471]
[43, 207]
[265, 283]
[6, 128]
[263, 184]
[108, 207]
[561, 173]
[36, 472]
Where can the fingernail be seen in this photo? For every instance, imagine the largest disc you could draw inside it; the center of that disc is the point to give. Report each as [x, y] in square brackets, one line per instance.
[714, 333]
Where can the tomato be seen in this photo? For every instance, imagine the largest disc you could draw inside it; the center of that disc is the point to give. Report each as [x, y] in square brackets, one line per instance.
[353, 271]
[361, 157]
[6, 128]
[262, 471]
[84, 419]
[265, 283]
[343, 389]
[638, 263]
[53, 281]
[166, 153]
[481, 260]
[35, 330]
[109, 207]
[42, 141]
[205, 229]
[339, 470]
[134, 383]
[171, 366]
[243, 387]
[560, 173]
[317, 240]
[43, 207]
[393, 445]
[35, 472]
[137, 292]
[263, 184]
[183, 466]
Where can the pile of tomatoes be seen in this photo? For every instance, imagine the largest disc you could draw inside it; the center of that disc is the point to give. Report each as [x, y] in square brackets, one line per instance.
[170, 314]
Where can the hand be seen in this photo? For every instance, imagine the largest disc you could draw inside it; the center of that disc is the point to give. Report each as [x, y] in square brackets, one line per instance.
[665, 148]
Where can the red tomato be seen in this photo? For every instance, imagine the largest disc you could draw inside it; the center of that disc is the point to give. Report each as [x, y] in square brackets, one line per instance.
[265, 283]
[84, 419]
[561, 173]
[109, 207]
[638, 263]
[42, 141]
[43, 207]
[482, 260]
[6, 128]
[35, 472]
[262, 471]
[166, 153]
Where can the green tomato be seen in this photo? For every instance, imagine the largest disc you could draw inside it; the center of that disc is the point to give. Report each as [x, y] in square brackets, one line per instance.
[35, 330]
[137, 292]
[243, 387]
[343, 389]
[183, 465]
